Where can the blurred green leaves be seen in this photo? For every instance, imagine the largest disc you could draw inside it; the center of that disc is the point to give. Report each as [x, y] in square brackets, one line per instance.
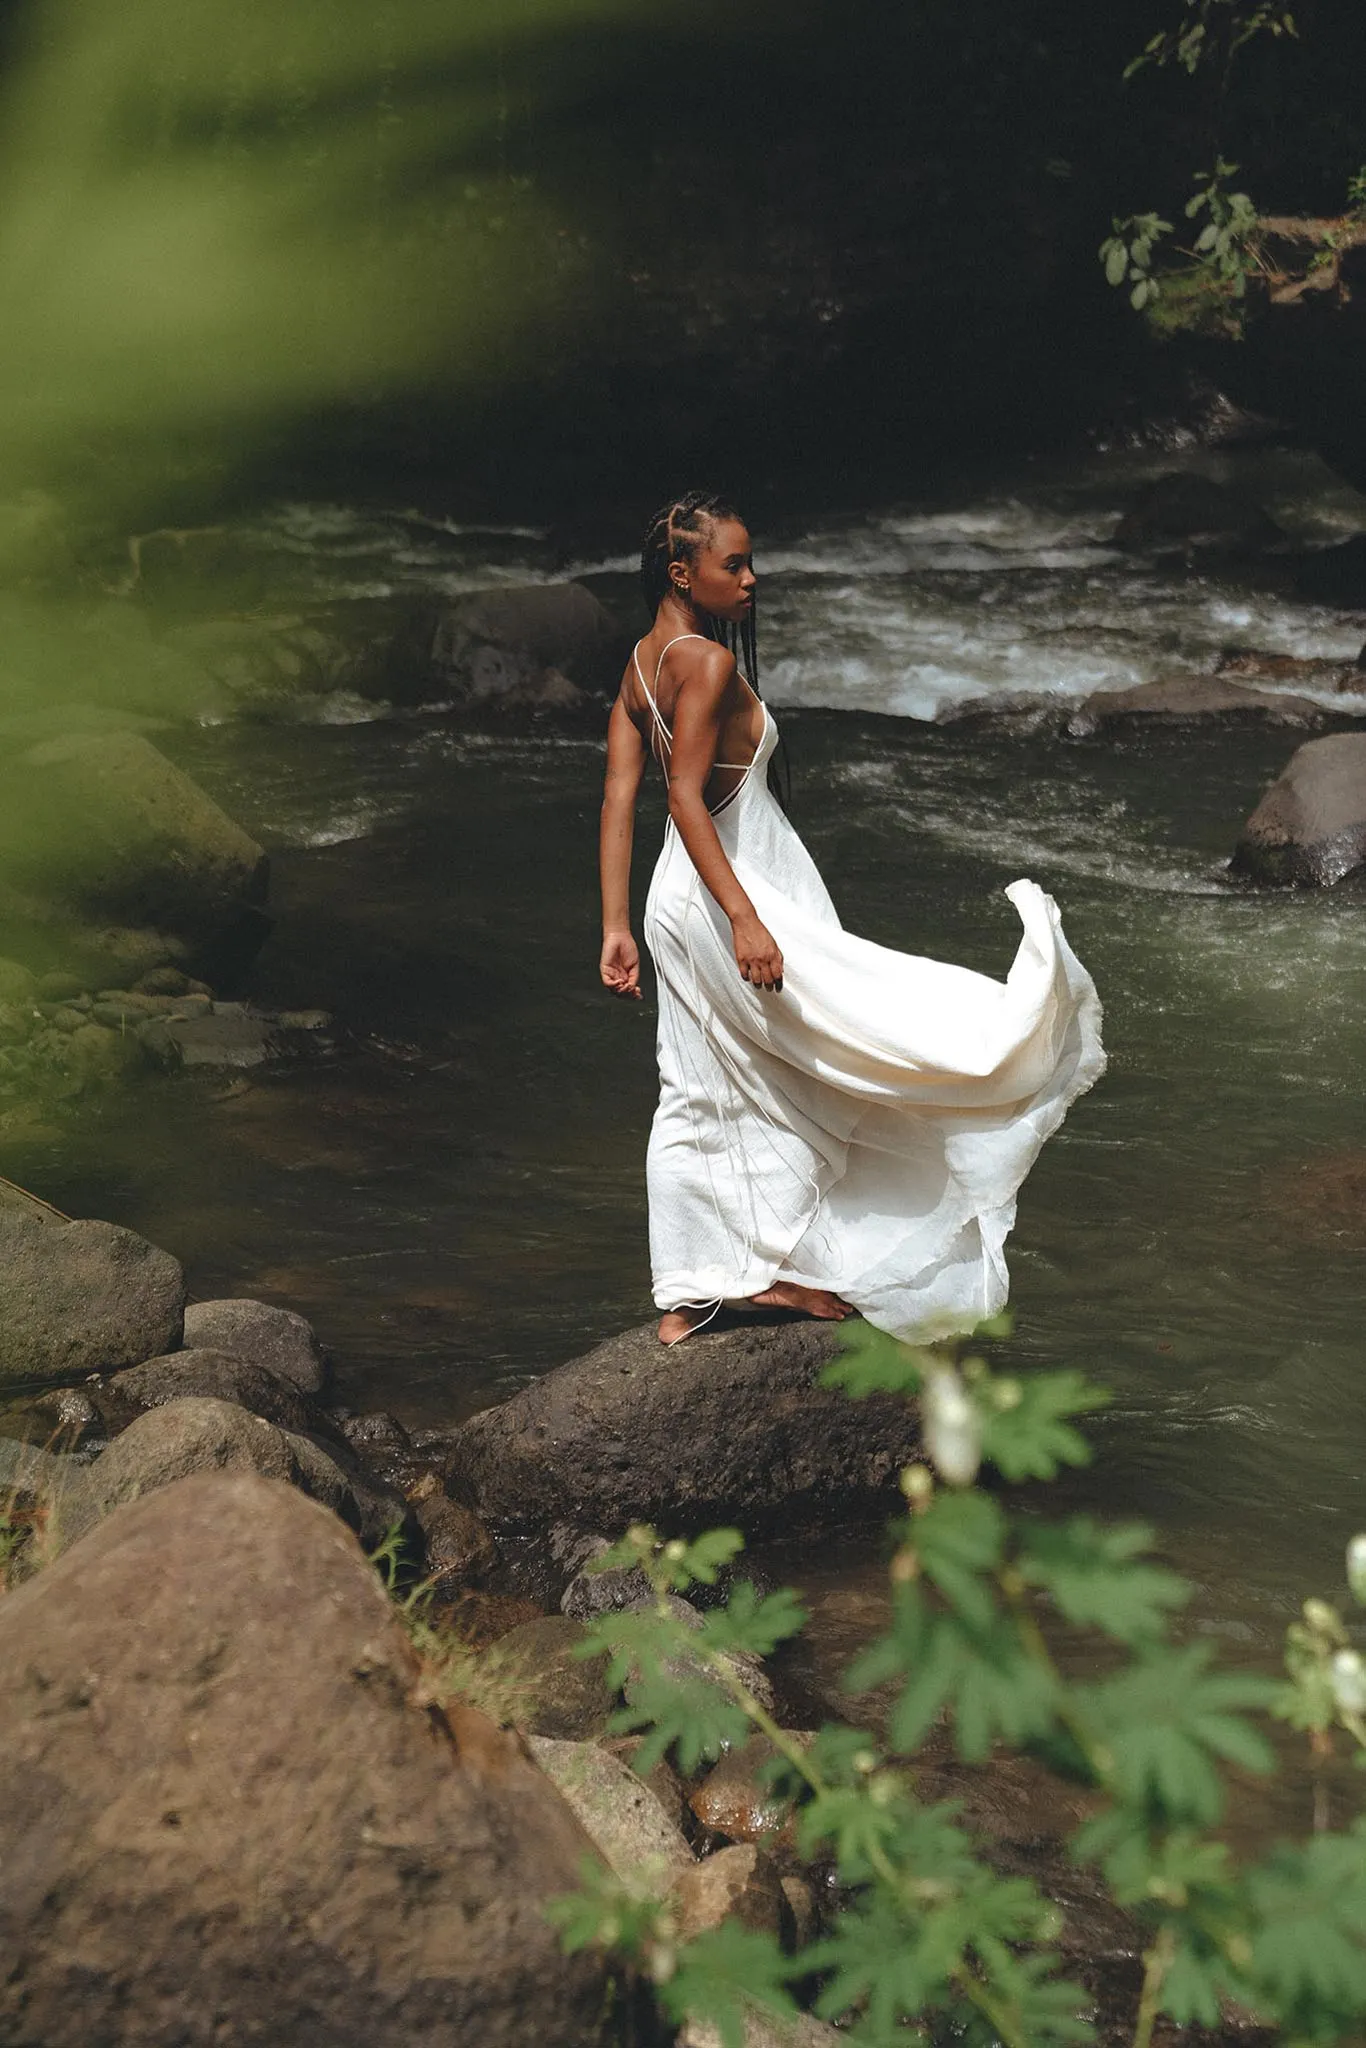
[211, 218]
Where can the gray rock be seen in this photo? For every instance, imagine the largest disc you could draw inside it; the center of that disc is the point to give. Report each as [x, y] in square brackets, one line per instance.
[544, 1686]
[729, 1426]
[227, 1037]
[84, 1297]
[537, 644]
[275, 1338]
[1309, 830]
[1183, 700]
[230, 1812]
[618, 1812]
[103, 828]
[218, 1376]
[197, 1434]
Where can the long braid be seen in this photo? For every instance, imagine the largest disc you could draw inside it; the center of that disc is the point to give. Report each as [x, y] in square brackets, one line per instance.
[676, 532]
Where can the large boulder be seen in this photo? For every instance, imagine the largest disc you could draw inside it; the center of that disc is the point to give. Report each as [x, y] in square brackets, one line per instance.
[729, 1426]
[79, 1298]
[275, 1338]
[229, 1810]
[547, 644]
[1309, 830]
[102, 830]
[198, 1434]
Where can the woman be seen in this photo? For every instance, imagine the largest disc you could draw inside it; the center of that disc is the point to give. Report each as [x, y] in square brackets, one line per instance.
[840, 1127]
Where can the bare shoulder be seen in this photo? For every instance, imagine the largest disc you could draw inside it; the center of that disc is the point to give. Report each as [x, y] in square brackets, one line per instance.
[704, 668]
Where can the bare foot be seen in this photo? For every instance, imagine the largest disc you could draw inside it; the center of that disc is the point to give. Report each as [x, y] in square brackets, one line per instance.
[681, 1322]
[807, 1301]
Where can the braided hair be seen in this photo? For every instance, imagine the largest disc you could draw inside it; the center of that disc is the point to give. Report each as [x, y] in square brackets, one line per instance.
[675, 534]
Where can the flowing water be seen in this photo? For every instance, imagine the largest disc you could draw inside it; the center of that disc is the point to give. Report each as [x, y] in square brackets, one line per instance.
[454, 1193]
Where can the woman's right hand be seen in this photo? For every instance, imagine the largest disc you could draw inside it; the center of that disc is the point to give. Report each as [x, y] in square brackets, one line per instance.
[619, 965]
[756, 953]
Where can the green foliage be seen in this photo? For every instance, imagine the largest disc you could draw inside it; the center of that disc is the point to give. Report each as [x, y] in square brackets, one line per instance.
[930, 1937]
[1212, 32]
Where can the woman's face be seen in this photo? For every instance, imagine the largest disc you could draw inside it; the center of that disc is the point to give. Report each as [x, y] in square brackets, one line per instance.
[721, 576]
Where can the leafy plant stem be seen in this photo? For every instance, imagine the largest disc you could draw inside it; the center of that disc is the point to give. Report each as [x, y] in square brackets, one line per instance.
[1156, 1963]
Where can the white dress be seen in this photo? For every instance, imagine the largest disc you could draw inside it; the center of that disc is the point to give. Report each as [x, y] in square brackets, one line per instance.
[867, 1128]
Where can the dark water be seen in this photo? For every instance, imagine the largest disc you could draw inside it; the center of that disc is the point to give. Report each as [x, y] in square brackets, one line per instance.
[455, 1192]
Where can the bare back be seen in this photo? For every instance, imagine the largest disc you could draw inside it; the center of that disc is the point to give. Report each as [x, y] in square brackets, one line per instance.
[658, 672]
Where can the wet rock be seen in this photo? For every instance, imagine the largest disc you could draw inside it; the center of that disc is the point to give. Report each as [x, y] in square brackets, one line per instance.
[228, 1036]
[734, 1801]
[1021, 713]
[1309, 830]
[1182, 511]
[276, 1338]
[1335, 575]
[72, 1420]
[542, 644]
[610, 1592]
[1182, 700]
[217, 1376]
[198, 1434]
[244, 1823]
[457, 1544]
[82, 1297]
[728, 1427]
[1256, 665]
[105, 828]
[375, 1435]
[544, 1686]
[739, 1883]
[620, 1815]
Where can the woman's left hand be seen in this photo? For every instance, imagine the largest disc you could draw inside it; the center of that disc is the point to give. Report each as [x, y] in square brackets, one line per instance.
[619, 965]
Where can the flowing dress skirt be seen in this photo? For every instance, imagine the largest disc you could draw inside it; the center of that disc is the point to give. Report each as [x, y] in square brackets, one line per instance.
[866, 1129]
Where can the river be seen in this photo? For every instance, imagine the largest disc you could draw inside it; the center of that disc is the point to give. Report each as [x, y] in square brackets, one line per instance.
[454, 1190]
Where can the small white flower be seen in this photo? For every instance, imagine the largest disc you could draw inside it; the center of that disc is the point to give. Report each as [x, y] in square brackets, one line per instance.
[1348, 1677]
[1356, 1568]
[953, 1428]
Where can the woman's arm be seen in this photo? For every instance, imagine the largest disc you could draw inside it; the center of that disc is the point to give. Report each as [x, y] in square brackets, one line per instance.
[697, 722]
[619, 964]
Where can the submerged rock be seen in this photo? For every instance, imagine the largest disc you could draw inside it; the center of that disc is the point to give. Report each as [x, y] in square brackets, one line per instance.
[1182, 511]
[729, 1426]
[80, 1298]
[1309, 830]
[276, 1338]
[227, 1811]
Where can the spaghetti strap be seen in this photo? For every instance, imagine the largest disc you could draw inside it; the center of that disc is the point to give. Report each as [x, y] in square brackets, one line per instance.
[666, 738]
